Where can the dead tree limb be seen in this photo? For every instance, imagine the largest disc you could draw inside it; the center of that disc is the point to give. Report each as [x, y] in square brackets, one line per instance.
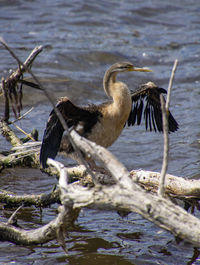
[14, 157]
[165, 111]
[9, 134]
[41, 200]
[127, 195]
[12, 85]
[161, 189]
[57, 228]
[65, 219]
[174, 186]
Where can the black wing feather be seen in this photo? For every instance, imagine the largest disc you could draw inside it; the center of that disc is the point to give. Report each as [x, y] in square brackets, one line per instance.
[132, 117]
[152, 111]
[153, 119]
[139, 113]
[73, 116]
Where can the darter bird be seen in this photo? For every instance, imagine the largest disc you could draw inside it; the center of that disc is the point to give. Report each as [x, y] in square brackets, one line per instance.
[104, 123]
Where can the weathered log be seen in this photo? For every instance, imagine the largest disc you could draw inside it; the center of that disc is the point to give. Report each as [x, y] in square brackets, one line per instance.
[127, 195]
[176, 186]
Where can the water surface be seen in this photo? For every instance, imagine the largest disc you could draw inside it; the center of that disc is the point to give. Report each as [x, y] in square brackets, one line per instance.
[82, 39]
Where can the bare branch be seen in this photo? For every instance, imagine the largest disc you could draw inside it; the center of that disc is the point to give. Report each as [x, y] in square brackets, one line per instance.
[27, 64]
[12, 91]
[9, 134]
[165, 110]
[41, 200]
[161, 189]
[65, 218]
[13, 219]
[23, 115]
[6, 98]
[170, 84]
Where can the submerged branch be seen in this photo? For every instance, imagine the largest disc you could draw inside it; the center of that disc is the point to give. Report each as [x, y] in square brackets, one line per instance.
[42, 200]
[65, 218]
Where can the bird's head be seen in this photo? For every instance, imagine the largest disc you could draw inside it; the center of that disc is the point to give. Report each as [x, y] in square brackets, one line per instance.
[120, 67]
[127, 67]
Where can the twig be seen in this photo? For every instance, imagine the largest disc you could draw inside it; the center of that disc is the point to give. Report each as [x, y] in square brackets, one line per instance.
[58, 113]
[11, 89]
[23, 66]
[63, 171]
[25, 133]
[23, 115]
[13, 218]
[170, 84]
[6, 109]
[165, 111]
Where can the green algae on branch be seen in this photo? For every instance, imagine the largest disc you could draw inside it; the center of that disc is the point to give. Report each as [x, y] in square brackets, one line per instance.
[10, 199]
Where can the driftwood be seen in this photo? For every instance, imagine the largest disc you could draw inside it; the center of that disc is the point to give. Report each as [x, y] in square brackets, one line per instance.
[126, 194]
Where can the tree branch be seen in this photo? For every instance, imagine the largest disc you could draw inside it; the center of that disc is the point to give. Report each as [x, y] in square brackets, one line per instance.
[128, 195]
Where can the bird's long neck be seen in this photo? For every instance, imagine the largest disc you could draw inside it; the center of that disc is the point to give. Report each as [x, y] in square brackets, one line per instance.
[108, 82]
[119, 92]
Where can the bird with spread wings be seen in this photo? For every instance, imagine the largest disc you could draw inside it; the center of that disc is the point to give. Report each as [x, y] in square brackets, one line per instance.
[104, 123]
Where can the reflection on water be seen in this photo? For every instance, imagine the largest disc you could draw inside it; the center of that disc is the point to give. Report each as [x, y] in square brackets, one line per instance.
[82, 39]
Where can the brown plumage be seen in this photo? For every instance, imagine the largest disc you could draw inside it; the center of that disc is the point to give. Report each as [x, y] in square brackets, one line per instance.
[104, 123]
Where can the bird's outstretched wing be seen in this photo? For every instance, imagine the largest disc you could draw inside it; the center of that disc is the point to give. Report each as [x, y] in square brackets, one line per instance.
[151, 109]
[74, 116]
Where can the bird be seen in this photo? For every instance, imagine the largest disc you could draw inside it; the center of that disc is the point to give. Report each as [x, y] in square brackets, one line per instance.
[103, 123]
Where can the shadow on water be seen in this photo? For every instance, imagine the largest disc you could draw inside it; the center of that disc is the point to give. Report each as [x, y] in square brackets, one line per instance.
[81, 41]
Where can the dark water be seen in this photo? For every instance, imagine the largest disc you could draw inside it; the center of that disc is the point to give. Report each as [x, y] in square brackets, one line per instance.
[82, 39]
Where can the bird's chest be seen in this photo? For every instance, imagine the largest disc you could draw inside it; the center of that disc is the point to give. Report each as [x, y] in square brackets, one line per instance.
[110, 126]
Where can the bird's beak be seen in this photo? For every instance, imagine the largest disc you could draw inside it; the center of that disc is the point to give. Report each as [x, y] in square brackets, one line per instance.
[136, 69]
